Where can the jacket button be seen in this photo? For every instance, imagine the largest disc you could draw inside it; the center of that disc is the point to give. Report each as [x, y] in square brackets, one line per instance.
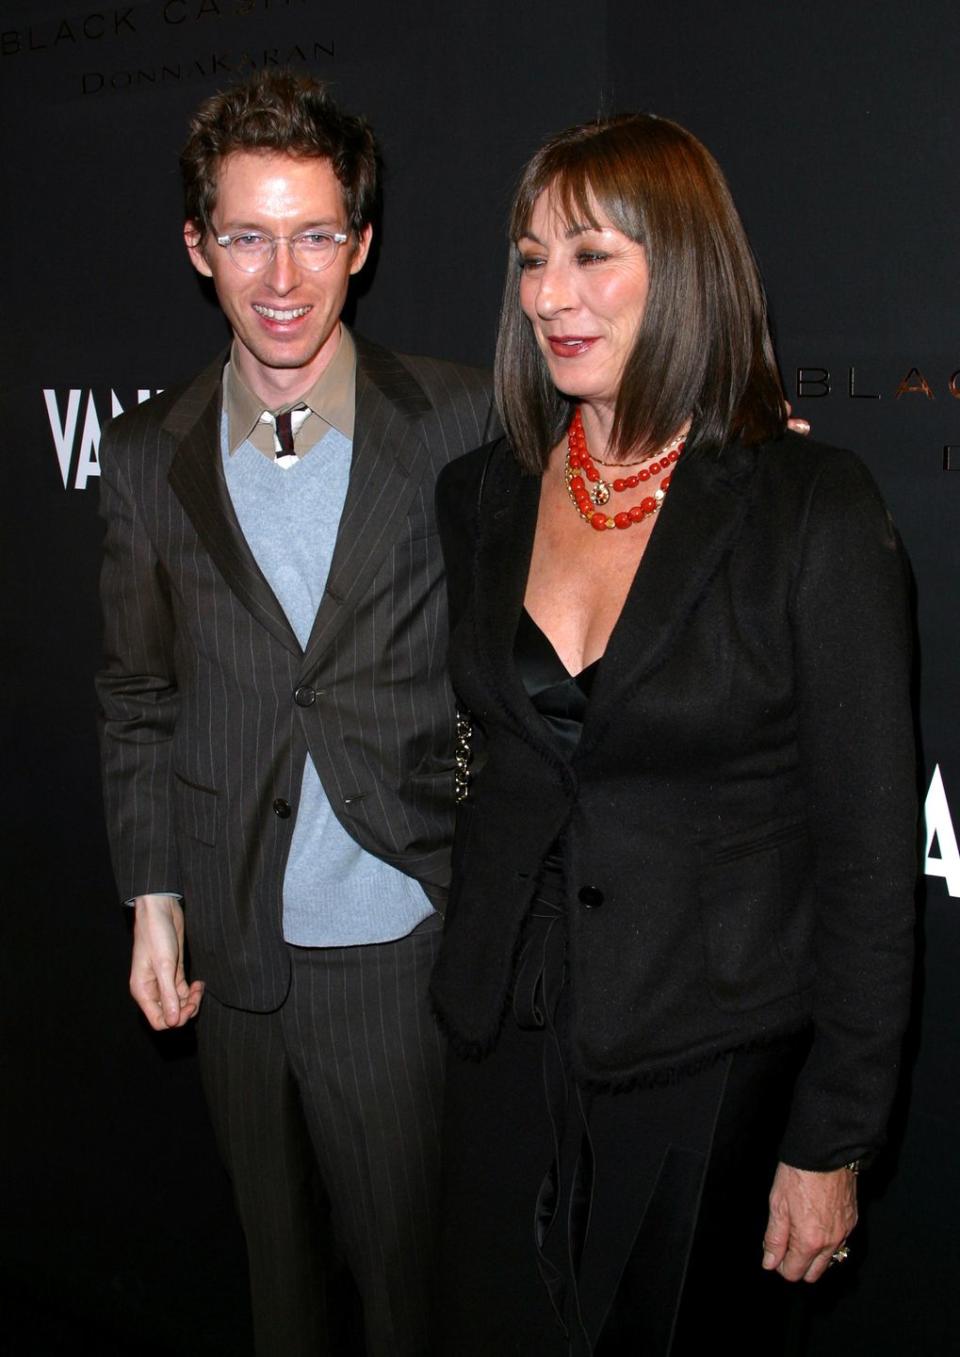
[591, 896]
[305, 697]
[281, 808]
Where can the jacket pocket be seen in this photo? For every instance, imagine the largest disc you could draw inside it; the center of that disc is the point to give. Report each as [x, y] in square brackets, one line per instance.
[756, 911]
[197, 810]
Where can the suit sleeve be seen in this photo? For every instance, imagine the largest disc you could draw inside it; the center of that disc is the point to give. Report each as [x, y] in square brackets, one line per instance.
[853, 641]
[137, 687]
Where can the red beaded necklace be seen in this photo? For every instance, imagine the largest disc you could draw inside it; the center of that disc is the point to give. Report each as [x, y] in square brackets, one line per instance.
[588, 490]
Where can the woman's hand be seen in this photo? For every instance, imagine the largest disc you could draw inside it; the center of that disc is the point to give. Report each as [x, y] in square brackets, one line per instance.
[811, 1215]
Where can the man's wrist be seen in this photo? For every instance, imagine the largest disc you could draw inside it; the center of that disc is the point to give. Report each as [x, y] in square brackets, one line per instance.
[149, 895]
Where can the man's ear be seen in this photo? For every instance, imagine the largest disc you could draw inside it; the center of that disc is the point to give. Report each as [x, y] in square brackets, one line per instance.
[361, 249]
[193, 238]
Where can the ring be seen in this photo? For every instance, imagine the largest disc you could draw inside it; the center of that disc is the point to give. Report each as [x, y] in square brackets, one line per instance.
[840, 1255]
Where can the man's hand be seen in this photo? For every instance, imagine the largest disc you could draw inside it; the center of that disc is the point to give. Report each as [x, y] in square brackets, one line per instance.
[157, 979]
[798, 425]
[811, 1215]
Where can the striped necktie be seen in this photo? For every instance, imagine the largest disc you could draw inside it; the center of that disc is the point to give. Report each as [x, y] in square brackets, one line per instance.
[286, 426]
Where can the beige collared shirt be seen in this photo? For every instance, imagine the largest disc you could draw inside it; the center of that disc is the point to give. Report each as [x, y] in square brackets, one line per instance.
[331, 402]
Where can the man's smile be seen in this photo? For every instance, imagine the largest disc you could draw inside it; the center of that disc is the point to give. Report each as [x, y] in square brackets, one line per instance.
[274, 313]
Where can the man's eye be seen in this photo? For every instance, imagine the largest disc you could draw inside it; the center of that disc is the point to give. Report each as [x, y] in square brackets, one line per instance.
[315, 240]
[250, 240]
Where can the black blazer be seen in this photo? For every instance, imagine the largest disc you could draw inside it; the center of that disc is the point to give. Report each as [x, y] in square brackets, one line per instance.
[209, 703]
[738, 821]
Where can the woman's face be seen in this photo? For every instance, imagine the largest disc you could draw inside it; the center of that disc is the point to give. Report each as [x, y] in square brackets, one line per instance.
[584, 290]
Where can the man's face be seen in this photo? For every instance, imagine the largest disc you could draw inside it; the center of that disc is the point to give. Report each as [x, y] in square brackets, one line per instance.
[286, 319]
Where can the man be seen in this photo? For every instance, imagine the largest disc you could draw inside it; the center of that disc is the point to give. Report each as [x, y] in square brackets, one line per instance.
[277, 726]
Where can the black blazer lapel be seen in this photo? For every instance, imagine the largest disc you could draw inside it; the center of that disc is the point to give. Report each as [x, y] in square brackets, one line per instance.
[389, 462]
[506, 526]
[196, 478]
[697, 525]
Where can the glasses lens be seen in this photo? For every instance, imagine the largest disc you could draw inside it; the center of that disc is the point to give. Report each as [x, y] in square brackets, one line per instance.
[251, 252]
[313, 250]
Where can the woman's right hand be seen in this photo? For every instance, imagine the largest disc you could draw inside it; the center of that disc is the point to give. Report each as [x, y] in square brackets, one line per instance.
[811, 1216]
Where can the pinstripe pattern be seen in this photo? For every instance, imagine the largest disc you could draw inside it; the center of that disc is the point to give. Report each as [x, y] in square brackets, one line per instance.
[353, 1059]
[326, 1099]
[299, 1287]
[201, 733]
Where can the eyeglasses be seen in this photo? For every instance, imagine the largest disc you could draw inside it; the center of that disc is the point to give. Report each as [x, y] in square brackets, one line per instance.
[253, 251]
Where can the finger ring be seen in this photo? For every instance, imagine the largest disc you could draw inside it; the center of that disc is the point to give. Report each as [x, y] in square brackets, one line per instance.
[840, 1255]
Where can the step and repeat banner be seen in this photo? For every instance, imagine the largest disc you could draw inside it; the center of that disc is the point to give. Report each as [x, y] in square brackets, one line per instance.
[837, 126]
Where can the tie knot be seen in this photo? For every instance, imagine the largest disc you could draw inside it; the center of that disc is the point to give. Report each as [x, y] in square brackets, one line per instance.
[287, 425]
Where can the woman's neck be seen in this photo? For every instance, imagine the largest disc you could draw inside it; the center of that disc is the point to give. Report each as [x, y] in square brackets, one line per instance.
[597, 426]
[597, 420]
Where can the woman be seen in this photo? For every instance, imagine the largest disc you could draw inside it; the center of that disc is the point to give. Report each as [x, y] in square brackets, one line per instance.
[677, 955]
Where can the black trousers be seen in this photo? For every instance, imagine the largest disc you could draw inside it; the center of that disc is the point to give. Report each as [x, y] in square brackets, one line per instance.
[608, 1224]
[327, 1117]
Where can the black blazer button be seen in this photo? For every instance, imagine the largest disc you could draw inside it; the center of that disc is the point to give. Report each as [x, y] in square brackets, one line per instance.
[591, 896]
[281, 808]
[305, 697]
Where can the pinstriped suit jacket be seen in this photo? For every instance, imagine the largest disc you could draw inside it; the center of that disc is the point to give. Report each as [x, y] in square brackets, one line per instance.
[209, 704]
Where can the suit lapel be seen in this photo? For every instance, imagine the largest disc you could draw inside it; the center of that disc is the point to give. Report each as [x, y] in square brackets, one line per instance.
[389, 462]
[508, 520]
[696, 527]
[196, 477]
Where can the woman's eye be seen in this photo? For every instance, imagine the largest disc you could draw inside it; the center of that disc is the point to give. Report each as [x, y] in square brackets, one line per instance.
[530, 261]
[591, 257]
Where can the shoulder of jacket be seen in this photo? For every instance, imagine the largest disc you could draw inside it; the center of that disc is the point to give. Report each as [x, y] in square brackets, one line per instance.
[823, 498]
[148, 419]
[463, 476]
[440, 378]
[793, 472]
[448, 375]
[149, 414]
[802, 459]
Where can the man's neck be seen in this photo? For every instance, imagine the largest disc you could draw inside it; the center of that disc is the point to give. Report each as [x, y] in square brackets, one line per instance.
[278, 387]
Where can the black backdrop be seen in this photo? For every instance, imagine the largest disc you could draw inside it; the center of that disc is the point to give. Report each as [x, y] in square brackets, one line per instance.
[837, 125]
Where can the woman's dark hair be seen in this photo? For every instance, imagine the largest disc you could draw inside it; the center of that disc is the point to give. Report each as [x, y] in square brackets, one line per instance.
[284, 113]
[703, 349]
